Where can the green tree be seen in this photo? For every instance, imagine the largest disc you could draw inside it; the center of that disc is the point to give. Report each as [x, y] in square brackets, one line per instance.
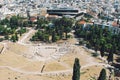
[76, 70]
[53, 36]
[41, 22]
[63, 25]
[4, 21]
[110, 56]
[6, 37]
[99, 37]
[102, 75]
[16, 36]
[102, 50]
[14, 22]
[25, 24]
[108, 47]
[28, 14]
[13, 38]
[46, 37]
[67, 29]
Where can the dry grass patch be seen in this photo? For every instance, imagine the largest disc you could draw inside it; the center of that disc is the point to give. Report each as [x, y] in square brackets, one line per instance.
[11, 59]
[53, 66]
[33, 66]
[89, 72]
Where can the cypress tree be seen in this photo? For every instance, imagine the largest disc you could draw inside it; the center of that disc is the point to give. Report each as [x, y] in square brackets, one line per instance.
[13, 38]
[16, 36]
[76, 70]
[102, 50]
[110, 56]
[102, 75]
[53, 36]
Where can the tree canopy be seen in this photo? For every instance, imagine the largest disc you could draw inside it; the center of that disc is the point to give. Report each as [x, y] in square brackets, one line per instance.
[99, 38]
[54, 29]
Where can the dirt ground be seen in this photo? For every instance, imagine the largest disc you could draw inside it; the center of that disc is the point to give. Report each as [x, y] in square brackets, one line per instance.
[16, 66]
[22, 61]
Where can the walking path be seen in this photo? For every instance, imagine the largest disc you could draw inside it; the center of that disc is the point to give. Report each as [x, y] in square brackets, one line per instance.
[23, 39]
[68, 71]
